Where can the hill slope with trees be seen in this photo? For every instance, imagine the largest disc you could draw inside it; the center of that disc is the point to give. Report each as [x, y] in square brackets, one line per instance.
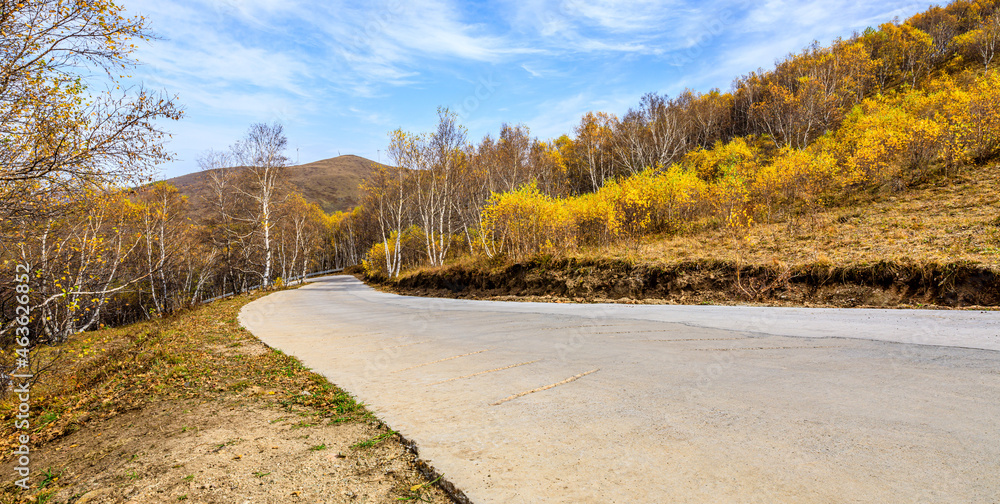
[879, 113]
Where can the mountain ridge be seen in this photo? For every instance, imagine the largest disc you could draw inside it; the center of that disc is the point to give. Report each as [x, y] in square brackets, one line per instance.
[330, 183]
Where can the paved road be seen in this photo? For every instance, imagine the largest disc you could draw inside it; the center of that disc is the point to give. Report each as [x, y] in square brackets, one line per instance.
[539, 402]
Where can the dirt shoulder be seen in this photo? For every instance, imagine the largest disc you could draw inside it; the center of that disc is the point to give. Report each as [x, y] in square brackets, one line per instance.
[194, 408]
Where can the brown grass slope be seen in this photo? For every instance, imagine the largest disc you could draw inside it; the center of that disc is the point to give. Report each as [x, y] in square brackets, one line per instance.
[330, 183]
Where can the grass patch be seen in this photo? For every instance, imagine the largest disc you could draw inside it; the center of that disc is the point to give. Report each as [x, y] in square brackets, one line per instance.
[369, 443]
[48, 478]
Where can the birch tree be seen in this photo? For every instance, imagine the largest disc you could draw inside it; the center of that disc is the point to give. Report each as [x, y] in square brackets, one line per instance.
[261, 154]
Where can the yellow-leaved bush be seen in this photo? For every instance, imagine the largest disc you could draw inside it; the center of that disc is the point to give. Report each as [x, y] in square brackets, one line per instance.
[881, 140]
[523, 222]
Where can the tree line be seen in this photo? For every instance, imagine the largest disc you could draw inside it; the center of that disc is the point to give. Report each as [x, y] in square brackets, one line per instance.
[110, 255]
[105, 243]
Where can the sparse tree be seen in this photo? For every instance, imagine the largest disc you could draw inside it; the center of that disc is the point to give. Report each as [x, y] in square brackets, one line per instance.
[58, 134]
[983, 42]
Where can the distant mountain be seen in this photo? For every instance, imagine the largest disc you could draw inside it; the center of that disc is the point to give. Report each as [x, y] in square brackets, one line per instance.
[330, 183]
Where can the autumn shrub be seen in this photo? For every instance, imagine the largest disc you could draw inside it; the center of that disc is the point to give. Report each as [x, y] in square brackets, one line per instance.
[590, 218]
[649, 201]
[795, 176]
[740, 156]
[881, 141]
[984, 118]
[407, 248]
[525, 222]
[679, 198]
[630, 205]
[375, 263]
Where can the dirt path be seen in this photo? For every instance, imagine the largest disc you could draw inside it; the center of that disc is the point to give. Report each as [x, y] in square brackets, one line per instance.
[229, 450]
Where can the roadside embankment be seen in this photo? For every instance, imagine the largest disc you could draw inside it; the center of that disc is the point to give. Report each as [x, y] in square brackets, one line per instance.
[882, 284]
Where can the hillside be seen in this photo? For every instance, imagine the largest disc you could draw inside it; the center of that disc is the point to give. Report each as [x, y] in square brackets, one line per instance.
[330, 183]
[937, 244]
[876, 149]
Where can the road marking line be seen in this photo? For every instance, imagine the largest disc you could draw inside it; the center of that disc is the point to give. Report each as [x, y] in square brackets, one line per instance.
[539, 389]
[441, 360]
[484, 372]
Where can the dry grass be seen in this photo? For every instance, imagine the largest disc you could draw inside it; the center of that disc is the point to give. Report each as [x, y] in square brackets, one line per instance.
[946, 221]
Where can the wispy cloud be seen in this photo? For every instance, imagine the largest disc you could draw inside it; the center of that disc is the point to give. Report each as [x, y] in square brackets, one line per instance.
[339, 74]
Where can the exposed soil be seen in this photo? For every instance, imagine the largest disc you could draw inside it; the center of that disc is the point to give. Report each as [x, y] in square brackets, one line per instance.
[884, 284]
[234, 449]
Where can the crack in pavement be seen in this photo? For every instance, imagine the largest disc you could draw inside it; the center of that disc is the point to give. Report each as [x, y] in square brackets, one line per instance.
[539, 389]
[440, 360]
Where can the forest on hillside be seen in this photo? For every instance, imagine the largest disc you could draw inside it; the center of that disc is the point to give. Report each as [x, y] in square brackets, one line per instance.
[878, 111]
[881, 110]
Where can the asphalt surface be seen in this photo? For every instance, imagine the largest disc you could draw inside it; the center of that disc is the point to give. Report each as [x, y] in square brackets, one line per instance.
[545, 402]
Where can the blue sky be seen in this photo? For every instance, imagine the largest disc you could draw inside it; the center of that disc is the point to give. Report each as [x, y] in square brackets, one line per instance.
[341, 75]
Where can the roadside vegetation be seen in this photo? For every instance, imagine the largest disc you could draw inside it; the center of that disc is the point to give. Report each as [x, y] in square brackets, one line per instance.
[936, 244]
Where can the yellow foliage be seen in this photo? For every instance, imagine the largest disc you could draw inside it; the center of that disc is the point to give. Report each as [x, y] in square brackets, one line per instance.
[886, 140]
[374, 262]
[882, 139]
[796, 175]
[524, 222]
[738, 157]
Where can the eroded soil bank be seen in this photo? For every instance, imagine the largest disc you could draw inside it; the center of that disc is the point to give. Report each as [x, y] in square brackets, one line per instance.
[883, 284]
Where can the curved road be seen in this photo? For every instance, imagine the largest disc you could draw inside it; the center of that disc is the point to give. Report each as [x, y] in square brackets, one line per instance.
[544, 402]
